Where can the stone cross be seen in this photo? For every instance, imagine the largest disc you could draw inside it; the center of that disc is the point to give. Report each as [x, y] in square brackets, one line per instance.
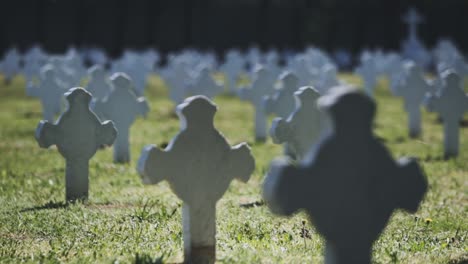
[303, 128]
[348, 190]
[369, 74]
[204, 84]
[451, 103]
[232, 69]
[327, 78]
[413, 90]
[10, 66]
[412, 18]
[122, 106]
[49, 91]
[282, 103]
[199, 165]
[176, 80]
[261, 86]
[33, 60]
[98, 84]
[78, 134]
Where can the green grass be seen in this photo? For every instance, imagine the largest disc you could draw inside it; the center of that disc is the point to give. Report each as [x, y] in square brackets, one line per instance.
[127, 222]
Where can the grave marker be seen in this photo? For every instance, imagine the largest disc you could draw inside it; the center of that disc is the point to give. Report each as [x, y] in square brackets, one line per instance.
[450, 102]
[98, 84]
[199, 165]
[122, 106]
[232, 69]
[78, 134]
[413, 90]
[261, 86]
[348, 190]
[204, 84]
[302, 129]
[282, 102]
[368, 72]
[49, 92]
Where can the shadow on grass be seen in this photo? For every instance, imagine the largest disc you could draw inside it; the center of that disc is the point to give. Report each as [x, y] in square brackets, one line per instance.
[430, 158]
[464, 123]
[147, 259]
[252, 205]
[48, 205]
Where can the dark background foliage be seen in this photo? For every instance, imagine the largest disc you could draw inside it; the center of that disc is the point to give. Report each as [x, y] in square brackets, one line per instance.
[220, 24]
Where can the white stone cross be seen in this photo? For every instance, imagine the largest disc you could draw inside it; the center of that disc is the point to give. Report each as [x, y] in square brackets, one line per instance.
[49, 92]
[369, 74]
[10, 65]
[122, 106]
[232, 69]
[33, 60]
[78, 134]
[98, 85]
[261, 86]
[350, 186]
[413, 90]
[303, 128]
[204, 84]
[282, 102]
[451, 103]
[176, 80]
[199, 165]
[412, 18]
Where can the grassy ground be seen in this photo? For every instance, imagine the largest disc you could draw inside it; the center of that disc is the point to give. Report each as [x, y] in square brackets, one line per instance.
[125, 221]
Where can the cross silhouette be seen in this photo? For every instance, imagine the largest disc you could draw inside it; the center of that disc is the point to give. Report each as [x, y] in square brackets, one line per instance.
[199, 165]
[78, 134]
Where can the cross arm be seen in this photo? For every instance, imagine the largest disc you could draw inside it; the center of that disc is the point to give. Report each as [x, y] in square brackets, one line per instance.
[152, 164]
[282, 185]
[47, 134]
[280, 130]
[106, 133]
[412, 184]
[241, 162]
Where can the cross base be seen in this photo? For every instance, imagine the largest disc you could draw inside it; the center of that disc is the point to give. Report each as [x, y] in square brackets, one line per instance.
[201, 255]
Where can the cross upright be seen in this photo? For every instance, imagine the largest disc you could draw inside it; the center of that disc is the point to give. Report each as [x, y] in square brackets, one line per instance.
[350, 185]
[199, 165]
[368, 72]
[412, 19]
[261, 86]
[413, 89]
[49, 91]
[232, 68]
[304, 126]
[204, 84]
[451, 103]
[282, 103]
[176, 79]
[98, 84]
[78, 134]
[122, 106]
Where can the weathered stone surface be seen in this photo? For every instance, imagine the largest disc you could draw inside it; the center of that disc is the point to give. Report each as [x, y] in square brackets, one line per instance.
[122, 106]
[199, 165]
[450, 102]
[350, 176]
[78, 134]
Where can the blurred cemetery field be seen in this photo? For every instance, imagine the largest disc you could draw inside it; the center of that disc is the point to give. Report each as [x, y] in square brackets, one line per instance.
[126, 221]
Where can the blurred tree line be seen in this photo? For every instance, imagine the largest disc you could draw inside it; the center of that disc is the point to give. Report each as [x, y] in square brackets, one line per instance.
[220, 24]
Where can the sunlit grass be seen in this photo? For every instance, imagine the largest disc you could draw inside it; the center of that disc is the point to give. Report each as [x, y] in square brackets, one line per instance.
[124, 219]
